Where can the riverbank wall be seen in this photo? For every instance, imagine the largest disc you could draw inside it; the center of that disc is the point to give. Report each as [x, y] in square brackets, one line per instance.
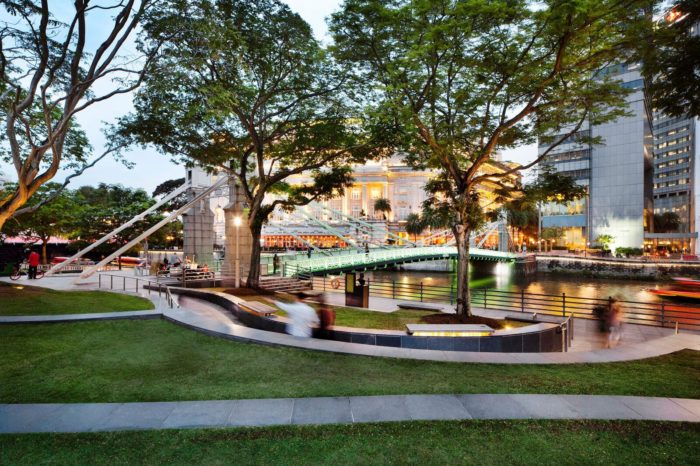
[617, 268]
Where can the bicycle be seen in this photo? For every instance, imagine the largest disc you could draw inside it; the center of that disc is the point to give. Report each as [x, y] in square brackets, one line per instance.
[23, 269]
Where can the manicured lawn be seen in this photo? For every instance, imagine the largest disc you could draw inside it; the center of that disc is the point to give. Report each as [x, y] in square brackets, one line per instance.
[469, 442]
[396, 320]
[20, 299]
[157, 361]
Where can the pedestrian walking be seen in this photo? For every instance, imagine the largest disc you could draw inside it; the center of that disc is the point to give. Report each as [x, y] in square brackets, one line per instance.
[275, 264]
[33, 261]
[614, 323]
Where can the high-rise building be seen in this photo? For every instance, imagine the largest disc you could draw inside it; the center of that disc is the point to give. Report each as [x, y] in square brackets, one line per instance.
[617, 173]
[675, 179]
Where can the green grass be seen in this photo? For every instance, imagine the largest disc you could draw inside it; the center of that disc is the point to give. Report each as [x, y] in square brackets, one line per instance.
[119, 361]
[469, 442]
[19, 299]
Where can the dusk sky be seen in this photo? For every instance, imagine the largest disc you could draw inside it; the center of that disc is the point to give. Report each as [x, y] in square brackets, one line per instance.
[152, 168]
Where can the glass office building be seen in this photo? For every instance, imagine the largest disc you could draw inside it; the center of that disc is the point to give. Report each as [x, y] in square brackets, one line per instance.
[617, 172]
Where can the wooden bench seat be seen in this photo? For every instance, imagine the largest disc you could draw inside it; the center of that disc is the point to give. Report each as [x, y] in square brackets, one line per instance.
[419, 306]
[257, 308]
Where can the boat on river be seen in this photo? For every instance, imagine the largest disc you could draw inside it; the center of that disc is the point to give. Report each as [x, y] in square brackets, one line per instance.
[682, 289]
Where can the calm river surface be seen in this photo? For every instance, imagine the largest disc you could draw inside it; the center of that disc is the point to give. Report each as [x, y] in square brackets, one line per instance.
[501, 276]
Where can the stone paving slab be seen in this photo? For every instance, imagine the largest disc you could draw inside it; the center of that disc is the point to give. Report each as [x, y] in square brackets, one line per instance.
[90, 417]
[378, 408]
[432, 407]
[265, 412]
[199, 414]
[322, 411]
[135, 416]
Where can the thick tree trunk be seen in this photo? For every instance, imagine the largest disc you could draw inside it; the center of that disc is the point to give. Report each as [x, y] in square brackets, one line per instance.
[255, 250]
[464, 308]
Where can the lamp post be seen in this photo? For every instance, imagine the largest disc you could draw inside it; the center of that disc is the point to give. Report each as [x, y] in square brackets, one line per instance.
[237, 224]
[585, 251]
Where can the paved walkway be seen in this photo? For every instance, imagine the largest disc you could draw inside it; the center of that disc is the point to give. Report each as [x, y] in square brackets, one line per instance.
[213, 320]
[95, 417]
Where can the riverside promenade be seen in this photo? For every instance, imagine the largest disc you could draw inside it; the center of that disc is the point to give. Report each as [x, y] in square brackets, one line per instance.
[205, 317]
[638, 342]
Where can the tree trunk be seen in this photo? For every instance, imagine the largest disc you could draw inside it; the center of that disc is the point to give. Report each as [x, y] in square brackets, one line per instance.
[464, 308]
[44, 242]
[255, 250]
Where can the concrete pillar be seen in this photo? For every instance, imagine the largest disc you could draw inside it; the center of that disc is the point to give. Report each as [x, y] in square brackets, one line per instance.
[236, 234]
[198, 228]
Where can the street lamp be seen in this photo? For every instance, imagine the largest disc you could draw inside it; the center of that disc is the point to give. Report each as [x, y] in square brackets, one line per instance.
[237, 224]
[585, 251]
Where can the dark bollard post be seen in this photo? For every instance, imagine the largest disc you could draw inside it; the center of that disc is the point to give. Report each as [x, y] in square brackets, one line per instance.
[421, 292]
[111, 282]
[393, 289]
[663, 314]
[124, 284]
[563, 304]
[522, 300]
[452, 287]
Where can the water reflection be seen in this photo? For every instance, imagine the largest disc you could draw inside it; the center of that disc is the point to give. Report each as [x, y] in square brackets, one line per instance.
[501, 276]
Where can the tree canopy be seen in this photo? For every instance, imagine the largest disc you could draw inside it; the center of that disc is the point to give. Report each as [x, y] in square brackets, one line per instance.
[242, 87]
[50, 62]
[459, 80]
[672, 60]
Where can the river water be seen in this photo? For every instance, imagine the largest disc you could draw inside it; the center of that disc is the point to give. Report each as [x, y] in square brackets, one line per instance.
[502, 276]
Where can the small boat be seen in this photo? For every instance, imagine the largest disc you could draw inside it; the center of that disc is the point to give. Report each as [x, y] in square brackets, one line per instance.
[683, 289]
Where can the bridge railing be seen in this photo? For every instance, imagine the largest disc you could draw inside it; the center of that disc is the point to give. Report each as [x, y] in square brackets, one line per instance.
[660, 314]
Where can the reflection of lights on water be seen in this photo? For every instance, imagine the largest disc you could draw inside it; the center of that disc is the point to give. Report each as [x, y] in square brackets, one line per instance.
[428, 278]
[404, 279]
[502, 272]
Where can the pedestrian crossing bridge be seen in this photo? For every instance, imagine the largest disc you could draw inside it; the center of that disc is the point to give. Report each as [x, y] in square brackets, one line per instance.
[345, 261]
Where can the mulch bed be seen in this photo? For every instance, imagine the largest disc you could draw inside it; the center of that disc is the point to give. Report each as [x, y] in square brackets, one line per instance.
[455, 319]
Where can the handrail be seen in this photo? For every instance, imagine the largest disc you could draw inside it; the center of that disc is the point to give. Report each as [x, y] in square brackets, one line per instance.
[150, 285]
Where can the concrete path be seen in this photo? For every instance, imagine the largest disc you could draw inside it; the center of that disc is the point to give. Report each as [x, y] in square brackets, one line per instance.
[213, 320]
[81, 317]
[95, 417]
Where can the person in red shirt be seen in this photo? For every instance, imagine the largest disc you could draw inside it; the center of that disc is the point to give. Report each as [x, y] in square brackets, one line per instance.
[33, 264]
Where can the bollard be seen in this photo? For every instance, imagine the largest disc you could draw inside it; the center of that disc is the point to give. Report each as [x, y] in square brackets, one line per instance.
[663, 314]
[522, 300]
[563, 304]
[421, 292]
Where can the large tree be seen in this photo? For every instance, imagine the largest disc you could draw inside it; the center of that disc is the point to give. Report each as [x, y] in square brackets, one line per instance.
[55, 63]
[104, 208]
[242, 87]
[462, 79]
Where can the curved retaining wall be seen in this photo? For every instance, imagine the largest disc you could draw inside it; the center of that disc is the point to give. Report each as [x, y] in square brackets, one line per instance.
[542, 338]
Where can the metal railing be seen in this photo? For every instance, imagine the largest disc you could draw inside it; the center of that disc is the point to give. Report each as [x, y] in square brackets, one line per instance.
[162, 289]
[567, 332]
[662, 314]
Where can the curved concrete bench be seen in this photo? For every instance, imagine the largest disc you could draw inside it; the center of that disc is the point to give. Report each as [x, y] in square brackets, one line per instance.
[537, 338]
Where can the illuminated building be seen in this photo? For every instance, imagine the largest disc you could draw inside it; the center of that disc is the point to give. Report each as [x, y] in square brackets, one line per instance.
[617, 173]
